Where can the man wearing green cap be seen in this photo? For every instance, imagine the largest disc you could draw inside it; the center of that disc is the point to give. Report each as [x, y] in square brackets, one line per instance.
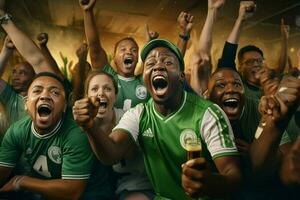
[162, 126]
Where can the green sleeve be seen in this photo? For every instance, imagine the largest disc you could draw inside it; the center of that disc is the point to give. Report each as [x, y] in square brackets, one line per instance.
[10, 149]
[78, 158]
[108, 69]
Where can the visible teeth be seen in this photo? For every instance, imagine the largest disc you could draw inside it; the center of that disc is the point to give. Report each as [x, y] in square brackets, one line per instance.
[128, 60]
[103, 104]
[158, 77]
[231, 101]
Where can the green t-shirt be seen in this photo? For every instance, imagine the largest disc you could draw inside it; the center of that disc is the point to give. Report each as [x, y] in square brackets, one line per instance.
[162, 139]
[63, 153]
[13, 104]
[131, 90]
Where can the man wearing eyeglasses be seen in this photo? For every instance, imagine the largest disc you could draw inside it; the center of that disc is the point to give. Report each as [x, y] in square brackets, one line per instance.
[251, 60]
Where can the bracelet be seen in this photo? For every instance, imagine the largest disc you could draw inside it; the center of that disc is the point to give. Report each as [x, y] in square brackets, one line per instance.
[5, 18]
[185, 37]
[16, 182]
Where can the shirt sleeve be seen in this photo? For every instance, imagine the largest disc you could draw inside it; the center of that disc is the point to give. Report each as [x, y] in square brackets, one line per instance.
[217, 133]
[78, 158]
[108, 69]
[10, 150]
[228, 56]
[130, 122]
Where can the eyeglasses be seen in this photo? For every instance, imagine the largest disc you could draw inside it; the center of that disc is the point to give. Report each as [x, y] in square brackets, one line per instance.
[251, 61]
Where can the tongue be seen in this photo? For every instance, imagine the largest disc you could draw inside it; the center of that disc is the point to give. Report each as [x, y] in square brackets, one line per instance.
[161, 91]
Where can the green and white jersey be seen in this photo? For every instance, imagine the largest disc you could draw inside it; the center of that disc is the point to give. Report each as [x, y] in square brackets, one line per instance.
[162, 139]
[13, 104]
[131, 90]
[132, 171]
[63, 153]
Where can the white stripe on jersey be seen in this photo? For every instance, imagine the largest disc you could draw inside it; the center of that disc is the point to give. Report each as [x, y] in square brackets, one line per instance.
[131, 120]
[7, 164]
[83, 176]
[211, 131]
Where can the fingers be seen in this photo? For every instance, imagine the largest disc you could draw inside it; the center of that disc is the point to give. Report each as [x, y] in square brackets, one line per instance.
[87, 4]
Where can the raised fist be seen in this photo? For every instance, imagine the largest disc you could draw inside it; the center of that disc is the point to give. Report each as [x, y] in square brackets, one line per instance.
[185, 22]
[42, 39]
[215, 4]
[247, 9]
[8, 43]
[151, 35]
[87, 4]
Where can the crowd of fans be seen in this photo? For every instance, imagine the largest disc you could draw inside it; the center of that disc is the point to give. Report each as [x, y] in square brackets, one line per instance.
[110, 134]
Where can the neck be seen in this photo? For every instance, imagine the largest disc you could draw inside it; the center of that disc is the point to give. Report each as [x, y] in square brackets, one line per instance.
[23, 93]
[171, 105]
[48, 130]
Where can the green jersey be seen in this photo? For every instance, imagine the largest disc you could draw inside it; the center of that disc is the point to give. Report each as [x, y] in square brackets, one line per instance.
[162, 139]
[63, 153]
[131, 90]
[13, 104]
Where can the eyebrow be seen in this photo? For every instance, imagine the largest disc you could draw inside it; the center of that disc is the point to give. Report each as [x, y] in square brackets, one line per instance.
[161, 54]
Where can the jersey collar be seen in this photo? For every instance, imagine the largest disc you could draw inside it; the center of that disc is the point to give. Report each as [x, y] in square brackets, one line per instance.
[169, 117]
[48, 135]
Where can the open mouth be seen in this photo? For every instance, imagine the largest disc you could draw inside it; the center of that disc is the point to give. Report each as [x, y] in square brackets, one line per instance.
[128, 61]
[160, 84]
[231, 103]
[44, 110]
[231, 107]
[103, 104]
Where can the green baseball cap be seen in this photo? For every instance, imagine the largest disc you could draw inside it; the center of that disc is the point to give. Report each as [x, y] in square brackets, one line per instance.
[162, 43]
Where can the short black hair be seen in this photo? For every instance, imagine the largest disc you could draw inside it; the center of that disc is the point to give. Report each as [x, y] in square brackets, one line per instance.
[123, 39]
[248, 48]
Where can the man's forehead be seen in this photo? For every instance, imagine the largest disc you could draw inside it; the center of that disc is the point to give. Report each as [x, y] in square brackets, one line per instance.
[46, 81]
[223, 74]
[160, 51]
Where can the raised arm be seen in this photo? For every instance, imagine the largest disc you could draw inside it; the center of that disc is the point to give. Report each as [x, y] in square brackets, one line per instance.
[150, 35]
[201, 58]
[42, 41]
[27, 48]
[284, 45]
[185, 22]
[79, 73]
[109, 147]
[51, 189]
[6, 52]
[246, 11]
[97, 53]
[277, 111]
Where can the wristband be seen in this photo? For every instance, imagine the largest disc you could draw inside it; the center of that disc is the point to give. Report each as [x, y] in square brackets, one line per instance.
[185, 37]
[4, 18]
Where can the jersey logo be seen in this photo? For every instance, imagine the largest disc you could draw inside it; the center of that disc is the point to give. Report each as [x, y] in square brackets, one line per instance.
[148, 133]
[186, 135]
[28, 151]
[141, 92]
[54, 154]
